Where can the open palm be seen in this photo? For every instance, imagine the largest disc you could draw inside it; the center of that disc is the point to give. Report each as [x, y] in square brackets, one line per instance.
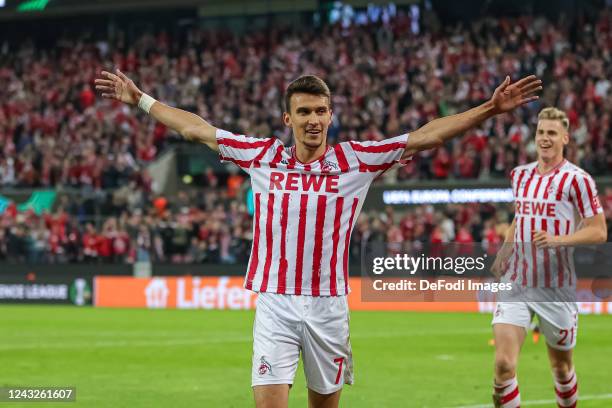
[118, 87]
[509, 96]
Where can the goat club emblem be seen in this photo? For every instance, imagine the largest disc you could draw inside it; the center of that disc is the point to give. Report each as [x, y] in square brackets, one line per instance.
[264, 366]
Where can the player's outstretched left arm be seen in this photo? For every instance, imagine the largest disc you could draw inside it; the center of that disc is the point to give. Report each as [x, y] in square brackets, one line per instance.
[593, 231]
[507, 96]
[189, 125]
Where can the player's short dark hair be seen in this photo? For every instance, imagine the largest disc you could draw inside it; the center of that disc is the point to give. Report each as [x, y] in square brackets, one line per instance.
[308, 84]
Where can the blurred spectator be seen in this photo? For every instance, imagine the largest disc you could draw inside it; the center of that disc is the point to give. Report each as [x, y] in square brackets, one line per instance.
[220, 231]
[54, 130]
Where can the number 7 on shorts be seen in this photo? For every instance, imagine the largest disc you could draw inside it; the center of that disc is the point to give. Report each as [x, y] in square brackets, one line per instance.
[339, 361]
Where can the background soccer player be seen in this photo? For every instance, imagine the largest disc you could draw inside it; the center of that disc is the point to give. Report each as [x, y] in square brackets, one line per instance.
[307, 198]
[547, 194]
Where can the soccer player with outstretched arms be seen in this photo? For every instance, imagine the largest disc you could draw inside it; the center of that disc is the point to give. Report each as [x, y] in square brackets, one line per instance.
[537, 255]
[307, 199]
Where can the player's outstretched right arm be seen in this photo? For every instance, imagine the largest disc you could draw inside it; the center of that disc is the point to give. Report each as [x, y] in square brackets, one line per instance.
[192, 127]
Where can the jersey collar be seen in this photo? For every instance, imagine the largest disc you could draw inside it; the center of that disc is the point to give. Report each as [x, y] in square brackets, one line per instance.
[294, 156]
[554, 169]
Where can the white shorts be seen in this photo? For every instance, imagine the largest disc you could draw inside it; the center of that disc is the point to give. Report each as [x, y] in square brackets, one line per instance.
[558, 320]
[316, 326]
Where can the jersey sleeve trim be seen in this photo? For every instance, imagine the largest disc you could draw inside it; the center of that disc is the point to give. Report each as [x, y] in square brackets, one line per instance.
[242, 150]
[376, 148]
[378, 156]
[239, 144]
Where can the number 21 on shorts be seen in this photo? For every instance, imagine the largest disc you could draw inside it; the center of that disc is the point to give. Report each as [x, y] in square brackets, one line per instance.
[564, 333]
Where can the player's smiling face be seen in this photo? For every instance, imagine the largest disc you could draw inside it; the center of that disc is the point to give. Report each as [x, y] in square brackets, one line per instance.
[309, 118]
[550, 139]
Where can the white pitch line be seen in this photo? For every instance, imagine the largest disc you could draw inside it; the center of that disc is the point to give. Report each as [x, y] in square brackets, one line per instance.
[544, 402]
[123, 343]
[154, 340]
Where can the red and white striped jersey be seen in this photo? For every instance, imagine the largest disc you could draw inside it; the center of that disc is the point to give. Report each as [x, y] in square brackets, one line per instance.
[305, 212]
[548, 202]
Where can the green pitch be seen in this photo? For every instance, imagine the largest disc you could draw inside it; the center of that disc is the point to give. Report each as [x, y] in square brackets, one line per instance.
[171, 358]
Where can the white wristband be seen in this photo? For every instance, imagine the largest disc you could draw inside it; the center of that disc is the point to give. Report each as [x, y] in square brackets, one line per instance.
[146, 102]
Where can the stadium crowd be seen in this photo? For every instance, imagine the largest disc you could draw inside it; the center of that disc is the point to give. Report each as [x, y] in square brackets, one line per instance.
[201, 228]
[55, 131]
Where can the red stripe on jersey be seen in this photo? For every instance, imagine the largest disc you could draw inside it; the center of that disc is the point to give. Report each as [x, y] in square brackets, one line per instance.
[291, 164]
[561, 185]
[282, 269]
[255, 249]
[278, 156]
[558, 253]
[522, 241]
[335, 238]
[363, 167]
[318, 244]
[537, 189]
[261, 154]
[292, 159]
[546, 257]
[347, 243]
[518, 183]
[239, 144]
[307, 167]
[591, 196]
[299, 262]
[378, 148]
[510, 396]
[526, 190]
[269, 242]
[534, 256]
[566, 253]
[245, 164]
[550, 179]
[578, 196]
[342, 162]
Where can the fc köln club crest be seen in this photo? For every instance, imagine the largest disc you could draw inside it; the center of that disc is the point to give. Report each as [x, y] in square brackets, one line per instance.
[264, 366]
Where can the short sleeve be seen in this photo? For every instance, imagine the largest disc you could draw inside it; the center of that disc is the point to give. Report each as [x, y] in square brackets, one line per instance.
[380, 155]
[242, 150]
[583, 194]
